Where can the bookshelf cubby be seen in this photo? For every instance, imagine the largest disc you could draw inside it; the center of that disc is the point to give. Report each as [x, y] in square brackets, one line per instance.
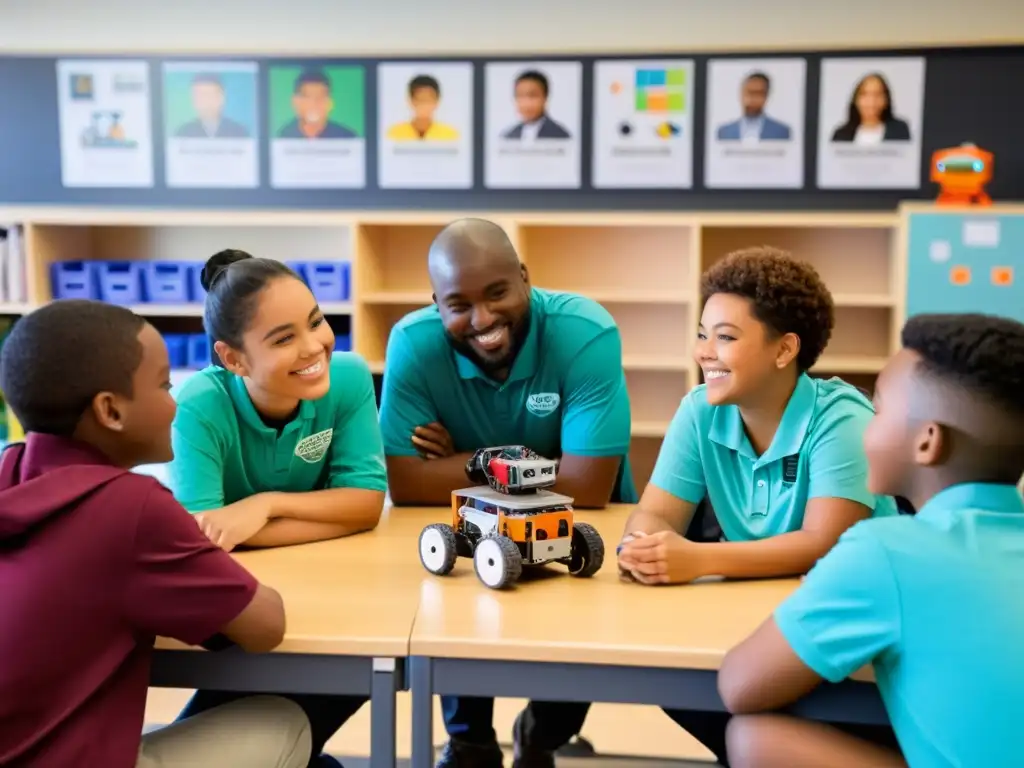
[644, 268]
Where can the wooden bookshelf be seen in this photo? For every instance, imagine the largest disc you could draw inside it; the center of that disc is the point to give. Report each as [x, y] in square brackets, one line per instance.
[644, 268]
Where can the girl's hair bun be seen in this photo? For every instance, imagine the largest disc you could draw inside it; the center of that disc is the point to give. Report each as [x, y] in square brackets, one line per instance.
[217, 264]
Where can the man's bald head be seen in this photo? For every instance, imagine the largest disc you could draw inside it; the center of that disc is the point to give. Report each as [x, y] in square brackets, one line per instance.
[470, 243]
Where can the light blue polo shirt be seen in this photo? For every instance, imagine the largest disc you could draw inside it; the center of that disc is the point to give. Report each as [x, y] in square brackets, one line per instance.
[224, 452]
[817, 452]
[933, 601]
[566, 392]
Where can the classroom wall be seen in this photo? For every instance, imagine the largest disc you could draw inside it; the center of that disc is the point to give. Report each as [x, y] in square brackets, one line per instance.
[384, 27]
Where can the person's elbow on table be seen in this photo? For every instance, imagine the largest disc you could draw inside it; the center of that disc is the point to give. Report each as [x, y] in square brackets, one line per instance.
[589, 480]
[260, 627]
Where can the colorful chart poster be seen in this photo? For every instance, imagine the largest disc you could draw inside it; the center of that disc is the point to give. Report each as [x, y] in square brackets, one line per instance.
[643, 123]
[533, 122]
[317, 127]
[210, 119]
[425, 112]
[871, 119]
[106, 128]
[755, 124]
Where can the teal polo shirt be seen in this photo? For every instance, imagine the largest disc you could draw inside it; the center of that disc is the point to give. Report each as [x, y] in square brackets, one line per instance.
[932, 601]
[566, 392]
[817, 452]
[224, 452]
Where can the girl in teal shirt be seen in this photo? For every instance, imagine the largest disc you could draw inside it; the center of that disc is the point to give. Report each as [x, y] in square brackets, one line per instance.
[278, 443]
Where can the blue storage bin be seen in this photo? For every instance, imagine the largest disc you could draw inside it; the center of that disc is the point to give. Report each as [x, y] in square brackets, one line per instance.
[166, 282]
[73, 280]
[120, 281]
[196, 292]
[177, 349]
[342, 343]
[299, 268]
[199, 351]
[328, 280]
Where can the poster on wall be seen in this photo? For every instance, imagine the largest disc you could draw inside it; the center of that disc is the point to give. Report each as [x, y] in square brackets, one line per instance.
[643, 123]
[425, 116]
[106, 132]
[755, 124]
[210, 120]
[870, 123]
[317, 127]
[533, 120]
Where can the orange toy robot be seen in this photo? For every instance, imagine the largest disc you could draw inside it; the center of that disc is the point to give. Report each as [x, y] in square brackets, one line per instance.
[962, 173]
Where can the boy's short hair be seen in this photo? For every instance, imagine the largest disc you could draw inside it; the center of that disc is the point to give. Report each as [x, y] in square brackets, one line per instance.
[983, 355]
[59, 357]
[786, 294]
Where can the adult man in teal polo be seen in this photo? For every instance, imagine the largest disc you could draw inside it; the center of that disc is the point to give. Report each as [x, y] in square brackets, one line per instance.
[496, 362]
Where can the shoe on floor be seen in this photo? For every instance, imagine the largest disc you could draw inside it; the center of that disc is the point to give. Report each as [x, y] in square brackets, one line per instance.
[461, 754]
[525, 756]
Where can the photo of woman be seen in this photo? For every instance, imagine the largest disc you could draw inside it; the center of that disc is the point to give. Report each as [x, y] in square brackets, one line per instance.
[870, 118]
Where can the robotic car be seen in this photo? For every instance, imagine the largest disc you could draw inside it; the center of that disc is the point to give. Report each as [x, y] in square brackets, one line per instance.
[504, 530]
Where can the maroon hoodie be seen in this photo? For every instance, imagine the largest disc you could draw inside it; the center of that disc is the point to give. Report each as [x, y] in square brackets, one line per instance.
[95, 562]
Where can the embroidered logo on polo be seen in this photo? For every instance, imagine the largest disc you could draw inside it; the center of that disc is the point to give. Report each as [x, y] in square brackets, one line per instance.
[313, 448]
[790, 465]
[543, 403]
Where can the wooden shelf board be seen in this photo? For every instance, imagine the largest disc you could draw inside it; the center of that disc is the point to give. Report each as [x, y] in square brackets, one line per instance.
[850, 364]
[15, 307]
[800, 219]
[649, 428]
[150, 217]
[864, 300]
[655, 363]
[419, 298]
[627, 296]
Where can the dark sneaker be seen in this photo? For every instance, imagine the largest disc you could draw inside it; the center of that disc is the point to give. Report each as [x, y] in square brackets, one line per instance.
[525, 756]
[460, 754]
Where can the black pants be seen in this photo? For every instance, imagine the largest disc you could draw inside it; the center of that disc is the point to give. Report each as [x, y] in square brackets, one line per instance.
[326, 713]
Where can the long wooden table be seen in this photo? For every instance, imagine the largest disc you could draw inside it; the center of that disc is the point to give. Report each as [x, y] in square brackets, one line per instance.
[365, 618]
[555, 637]
[350, 604]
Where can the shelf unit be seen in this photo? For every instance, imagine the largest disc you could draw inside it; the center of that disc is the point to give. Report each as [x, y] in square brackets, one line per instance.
[643, 267]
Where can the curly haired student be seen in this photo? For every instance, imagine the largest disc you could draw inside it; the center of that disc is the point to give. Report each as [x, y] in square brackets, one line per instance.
[931, 601]
[775, 452]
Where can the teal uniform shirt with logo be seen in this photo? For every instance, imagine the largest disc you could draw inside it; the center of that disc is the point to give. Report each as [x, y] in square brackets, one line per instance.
[565, 394]
[933, 603]
[224, 452]
[817, 452]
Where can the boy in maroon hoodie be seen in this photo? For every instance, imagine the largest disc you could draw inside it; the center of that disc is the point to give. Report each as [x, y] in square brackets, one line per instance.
[96, 561]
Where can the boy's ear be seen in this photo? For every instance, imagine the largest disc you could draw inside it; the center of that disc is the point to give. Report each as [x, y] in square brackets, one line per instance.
[525, 273]
[931, 444]
[108, 410]
[232, 359]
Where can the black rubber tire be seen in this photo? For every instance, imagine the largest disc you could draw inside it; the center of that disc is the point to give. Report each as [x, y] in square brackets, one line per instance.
[445, 545]
[504, 562]
[587, 551]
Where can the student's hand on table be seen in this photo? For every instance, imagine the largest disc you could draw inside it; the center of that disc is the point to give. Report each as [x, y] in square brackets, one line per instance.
[432, 441]
[664, 557]
[236, 523]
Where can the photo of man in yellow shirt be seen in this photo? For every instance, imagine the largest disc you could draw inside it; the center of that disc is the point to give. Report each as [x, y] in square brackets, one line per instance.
[424, 99]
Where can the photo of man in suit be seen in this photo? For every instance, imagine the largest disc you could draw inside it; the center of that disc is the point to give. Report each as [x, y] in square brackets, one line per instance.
[754, 125]
[313, 102]
[531, 94]
[208, 102]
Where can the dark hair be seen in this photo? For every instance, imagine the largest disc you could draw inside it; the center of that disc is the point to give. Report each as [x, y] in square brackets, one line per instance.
[211, 78]
[853, 114]
[980, 354]
[233, 280]
[312, 77]
[59, 357]
[786, 294]
[538, 77]
[760, 76]
[424, 81]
